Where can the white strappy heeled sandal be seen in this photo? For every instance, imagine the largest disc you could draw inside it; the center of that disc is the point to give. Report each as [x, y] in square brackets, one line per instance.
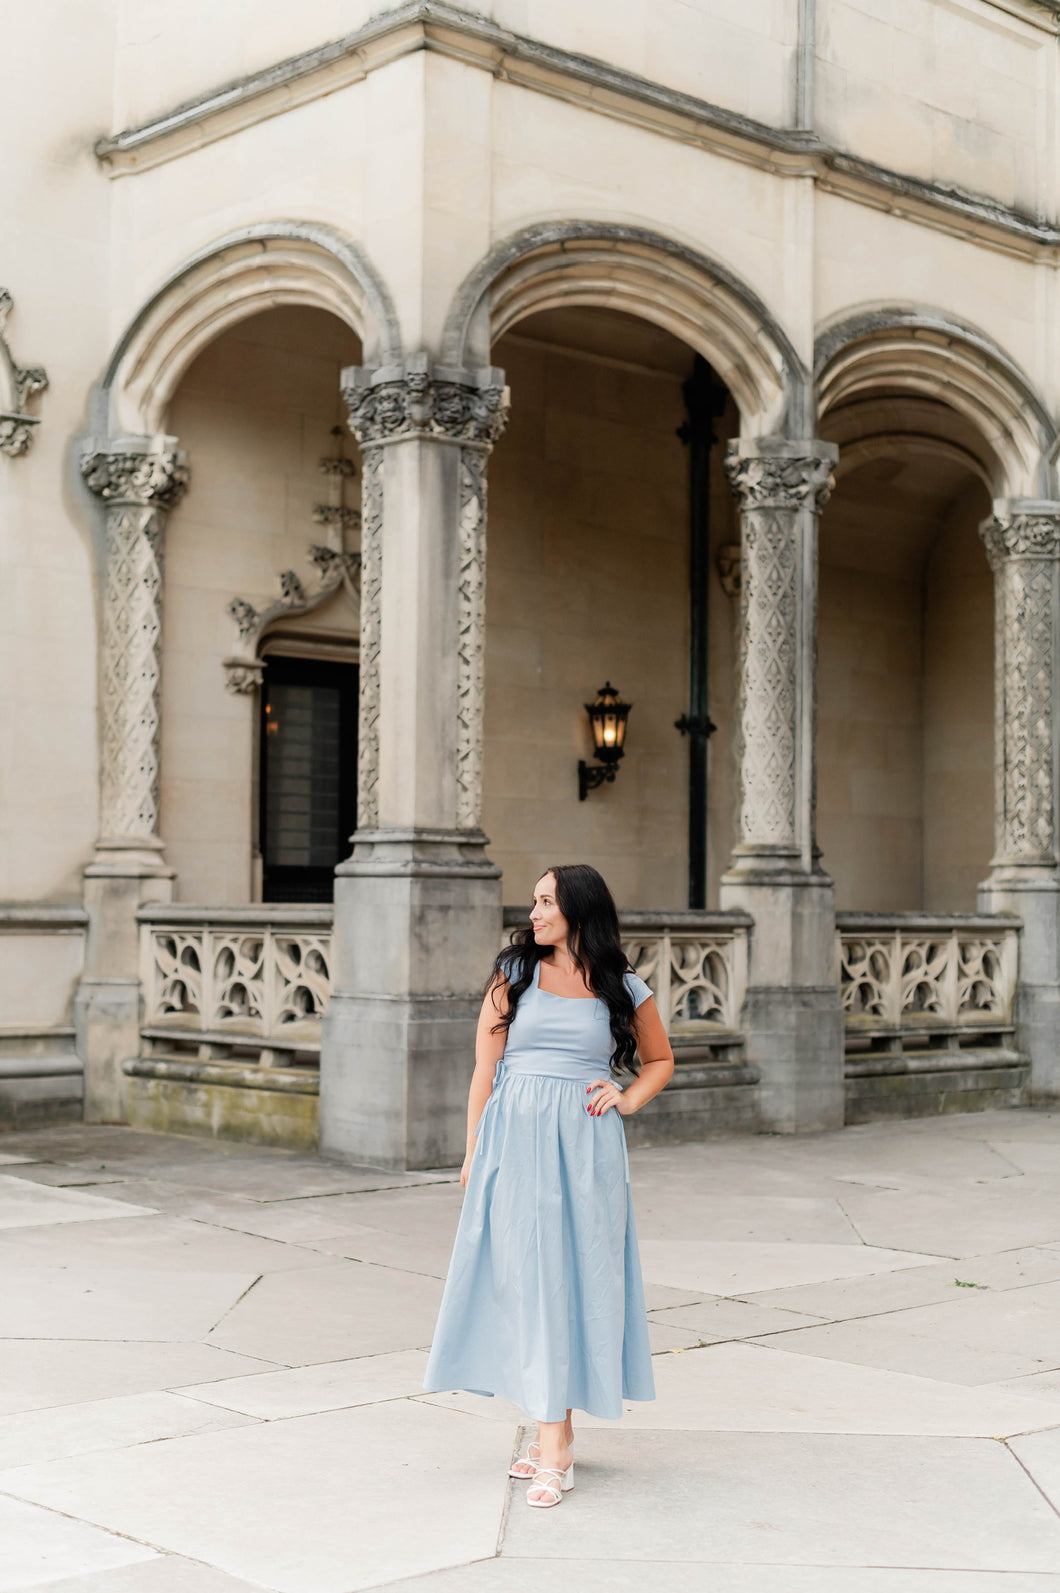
[526, 1460]
[529, 1460]
[550, 1480]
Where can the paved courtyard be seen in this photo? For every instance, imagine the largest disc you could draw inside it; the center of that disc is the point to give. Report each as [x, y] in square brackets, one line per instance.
[212, 1357]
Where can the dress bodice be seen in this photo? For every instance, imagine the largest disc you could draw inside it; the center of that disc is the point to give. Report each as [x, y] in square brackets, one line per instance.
[563, 1036]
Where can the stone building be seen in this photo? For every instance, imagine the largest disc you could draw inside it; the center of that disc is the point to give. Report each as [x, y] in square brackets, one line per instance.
[748, 311]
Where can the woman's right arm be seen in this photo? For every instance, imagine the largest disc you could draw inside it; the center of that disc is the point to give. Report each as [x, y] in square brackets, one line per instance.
[489, 1048]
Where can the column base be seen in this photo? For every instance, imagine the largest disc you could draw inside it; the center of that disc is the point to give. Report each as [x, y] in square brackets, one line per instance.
[107, 1004]
[1033, 894]
[417, 926]
[792, 1017]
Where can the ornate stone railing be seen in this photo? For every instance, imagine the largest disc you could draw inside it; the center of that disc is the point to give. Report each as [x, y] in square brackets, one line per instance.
[233, 980]
[695, 963]
[909, 979]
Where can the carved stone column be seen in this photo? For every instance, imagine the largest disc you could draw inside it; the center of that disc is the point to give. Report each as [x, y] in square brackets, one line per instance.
[417, 906]
[138, 479]
[792, 1017]
[1023, 546]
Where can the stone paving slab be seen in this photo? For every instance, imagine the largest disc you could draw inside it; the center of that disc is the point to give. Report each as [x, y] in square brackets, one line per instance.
[39, 1374]
[717, 1319]
[330, 1313]
[1040, 1453]
[527, 1575]
[753, 1388]
[116, 1303]
[731, 1267]
[73, 1177]
[24, 1204]
[308, 1390]
[67, 1430]
[787, 1218]
[801, 1499]
[993, 1215]
[40, 1546]
[317, 1504]
[979, 1336]
[167, 1574]
[173, 1244]
[933, 1284]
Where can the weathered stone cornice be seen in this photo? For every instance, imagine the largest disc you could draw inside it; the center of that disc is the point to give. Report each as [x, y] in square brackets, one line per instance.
[419, 399]
[151, 478]
[581, 80]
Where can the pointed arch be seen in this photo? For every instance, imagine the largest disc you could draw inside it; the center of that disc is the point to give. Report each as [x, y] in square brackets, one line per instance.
[922, 353]
[251, 269]
[645, 274]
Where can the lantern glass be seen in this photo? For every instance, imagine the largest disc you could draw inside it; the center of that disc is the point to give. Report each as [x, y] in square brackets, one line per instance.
[608, 715]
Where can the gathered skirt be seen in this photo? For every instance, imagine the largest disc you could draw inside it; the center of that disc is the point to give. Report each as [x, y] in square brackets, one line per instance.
[544, 1303]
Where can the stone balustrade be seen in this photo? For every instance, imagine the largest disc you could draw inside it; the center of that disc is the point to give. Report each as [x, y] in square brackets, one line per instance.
[920, 979]
[694, 962]
[239, 979]
[235, 979]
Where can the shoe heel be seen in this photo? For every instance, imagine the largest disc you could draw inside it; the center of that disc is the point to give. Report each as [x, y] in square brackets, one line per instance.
[566, 1482]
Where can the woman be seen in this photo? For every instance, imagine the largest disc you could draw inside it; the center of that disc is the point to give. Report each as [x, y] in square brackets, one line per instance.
[544, 1303]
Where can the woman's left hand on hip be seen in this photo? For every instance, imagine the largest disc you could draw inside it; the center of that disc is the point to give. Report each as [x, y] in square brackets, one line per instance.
[608, 1095]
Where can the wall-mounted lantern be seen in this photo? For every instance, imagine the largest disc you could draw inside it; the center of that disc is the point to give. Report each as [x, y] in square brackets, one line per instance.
[607, 717]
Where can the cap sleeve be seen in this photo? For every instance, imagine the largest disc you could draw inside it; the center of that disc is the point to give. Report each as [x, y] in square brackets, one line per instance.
[637, 989]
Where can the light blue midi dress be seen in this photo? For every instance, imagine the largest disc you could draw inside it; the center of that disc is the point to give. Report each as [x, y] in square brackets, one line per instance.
[544, 1303]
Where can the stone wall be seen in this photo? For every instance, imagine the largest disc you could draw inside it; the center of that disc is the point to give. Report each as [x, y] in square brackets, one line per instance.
[588, 580]
[255, 413]
[905, 814]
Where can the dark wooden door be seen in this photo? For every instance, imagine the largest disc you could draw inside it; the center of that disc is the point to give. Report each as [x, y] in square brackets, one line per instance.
[308, 776]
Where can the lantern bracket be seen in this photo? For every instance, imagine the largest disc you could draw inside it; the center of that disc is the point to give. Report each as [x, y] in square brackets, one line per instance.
[592, 775]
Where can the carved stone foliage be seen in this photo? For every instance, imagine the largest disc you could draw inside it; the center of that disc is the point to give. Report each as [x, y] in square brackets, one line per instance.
[397, 401]
[154, 479]
[18, 383]
[767, 482]
[471, 621]
[139, 485]
[775, 675]
[371, 638]
[1023, 550]
[243, 668]
[337, 517]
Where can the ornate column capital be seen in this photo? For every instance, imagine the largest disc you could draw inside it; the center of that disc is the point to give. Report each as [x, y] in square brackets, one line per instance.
[1022, 528]
[417, 399]
[775, 474]
[142, 472]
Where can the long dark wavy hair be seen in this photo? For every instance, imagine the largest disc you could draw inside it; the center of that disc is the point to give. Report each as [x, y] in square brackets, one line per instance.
[595, 945]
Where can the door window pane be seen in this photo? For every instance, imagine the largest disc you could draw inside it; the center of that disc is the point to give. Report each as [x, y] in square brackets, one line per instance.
[302, 772]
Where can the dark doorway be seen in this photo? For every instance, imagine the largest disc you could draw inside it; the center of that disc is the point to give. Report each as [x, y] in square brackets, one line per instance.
[308, 776]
